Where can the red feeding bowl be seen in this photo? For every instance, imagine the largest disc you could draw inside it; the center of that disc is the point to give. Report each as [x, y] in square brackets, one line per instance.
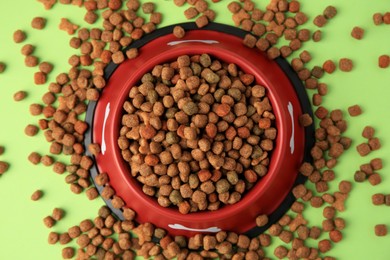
[271, 195]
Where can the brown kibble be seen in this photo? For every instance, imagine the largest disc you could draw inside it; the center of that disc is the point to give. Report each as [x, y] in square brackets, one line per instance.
[179, 32]
[329, 66]
[118, 57]
[374, 179]
[368, 132]
[376, 164]
[384, 61]
[345, 187]
[65, 238]
[39, 78]
[273, 53]
[47, 160]
[357, 32]
[58, 214]
[68, 26]
[49, 221]
[34, 158]
[48, 4]
[31, 130]
[75, 188]
[335, 235]
[380, 230]
[45, 67]
[377, 18]
[286, 236]
[92, 193]
[315, 232]
[68, 252]
[387, 200]
[386, 18]
[53, 238]
[320, 20]
[74, 231]
[374, 143]
[317, 36]
[363, 149]
[354, 110]
[202, 21]
[262, 220]
[324, 245]
[19, 36]
[234, 7]
[305, 120]
[31, 61]
[94, 148]
[280, 252]
[249, 40]
[299, 191]
[2, 67]
[132, 53]
[222, 110]
[36, 195]
[345, 64]
[330, 12]
[86, 225]
[20, 95]
[38, 23]
[378, 199]
[190, 13]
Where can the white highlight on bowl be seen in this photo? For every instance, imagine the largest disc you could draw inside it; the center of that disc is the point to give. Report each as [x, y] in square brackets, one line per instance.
[106, 114]
[291, 111]
[186, 41]
[181, 227]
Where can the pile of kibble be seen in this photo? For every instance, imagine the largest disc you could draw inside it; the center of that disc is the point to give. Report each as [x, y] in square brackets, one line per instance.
[196, 133]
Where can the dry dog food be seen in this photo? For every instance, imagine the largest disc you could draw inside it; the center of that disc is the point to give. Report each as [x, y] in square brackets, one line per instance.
[19, 36]
[357, 32]
[380, 230]
[354, 110]
[31, 130]
[68, 26]
[27, 49]
[38, 23]
[2, 67]
[384, 61]
[330, 12]
[195, 143]
[58, 214]
[386, 18]
[49, 221]
[345, 64]
[31, 61]
[378, 18]
[20, 95]
[68, 252]
[48, 4]
[378, 199]
[178, 31]
[3, 167]
[36, 195]
[329, 66]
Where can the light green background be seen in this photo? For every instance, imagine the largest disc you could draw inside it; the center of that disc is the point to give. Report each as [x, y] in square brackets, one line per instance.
[22, 233]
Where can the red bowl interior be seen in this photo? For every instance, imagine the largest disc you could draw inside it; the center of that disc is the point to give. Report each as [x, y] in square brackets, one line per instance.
[265, 197]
